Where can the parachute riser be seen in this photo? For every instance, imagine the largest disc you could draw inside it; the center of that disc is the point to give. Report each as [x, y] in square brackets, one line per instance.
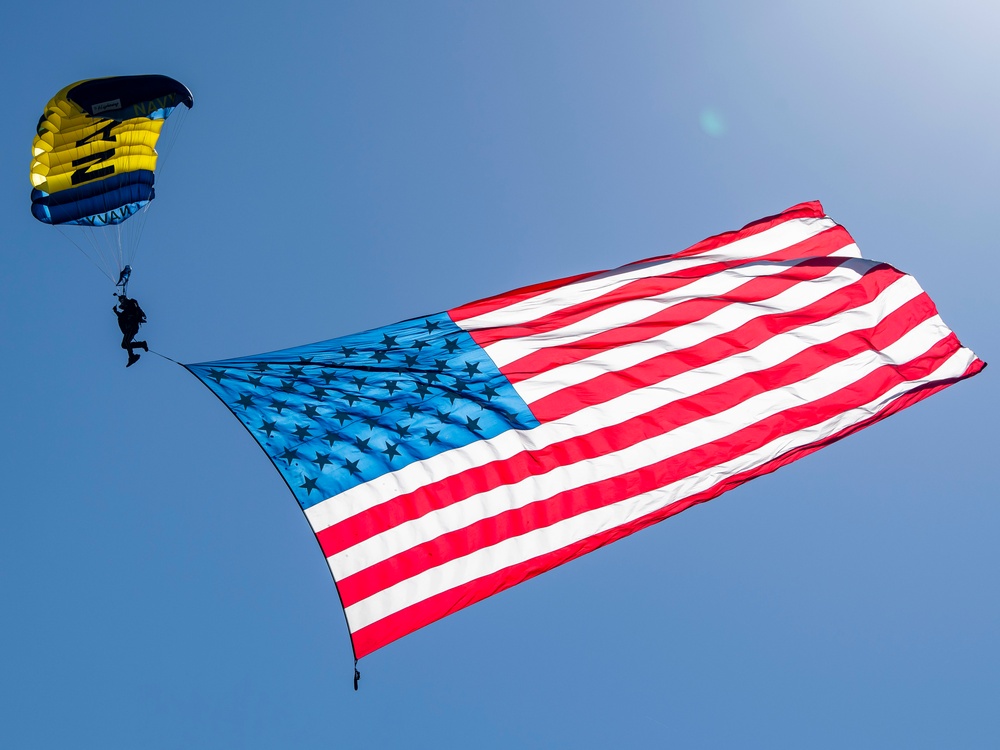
[123, 277]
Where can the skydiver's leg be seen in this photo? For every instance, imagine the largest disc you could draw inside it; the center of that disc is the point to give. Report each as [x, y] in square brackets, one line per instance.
[132, 356]
[128, 334]
[130, 345]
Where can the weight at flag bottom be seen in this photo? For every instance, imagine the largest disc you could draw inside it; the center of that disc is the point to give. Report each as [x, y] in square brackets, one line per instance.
[446, 458]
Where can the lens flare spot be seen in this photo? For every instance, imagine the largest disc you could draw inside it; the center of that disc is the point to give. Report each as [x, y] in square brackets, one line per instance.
[712, 123]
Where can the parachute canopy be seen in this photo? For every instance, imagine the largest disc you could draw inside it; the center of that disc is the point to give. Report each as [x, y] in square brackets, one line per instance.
[94, 155]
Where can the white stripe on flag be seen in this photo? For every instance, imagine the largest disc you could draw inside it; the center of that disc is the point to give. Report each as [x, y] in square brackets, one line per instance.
[632, 311]
[722, 321]
[620, 409]
[653, 450]
[541, 541]
[769, 241]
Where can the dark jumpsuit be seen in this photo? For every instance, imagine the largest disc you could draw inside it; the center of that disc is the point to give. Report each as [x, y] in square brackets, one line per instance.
[130, 317]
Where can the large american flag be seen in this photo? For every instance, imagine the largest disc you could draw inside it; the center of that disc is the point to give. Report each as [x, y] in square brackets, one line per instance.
[446, 458]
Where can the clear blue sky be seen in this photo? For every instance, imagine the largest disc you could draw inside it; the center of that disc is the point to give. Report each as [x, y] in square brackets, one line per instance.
[350, 164]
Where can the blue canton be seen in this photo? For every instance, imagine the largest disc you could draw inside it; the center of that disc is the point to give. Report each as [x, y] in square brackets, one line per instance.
[338, 413]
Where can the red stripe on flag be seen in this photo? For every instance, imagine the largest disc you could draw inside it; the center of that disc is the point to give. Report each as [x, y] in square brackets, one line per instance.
[808, 210]
[500, 301]
[754, 290]
[547, 511]
[442, 493]
[372, 637]
[750, 335]
[820, 245]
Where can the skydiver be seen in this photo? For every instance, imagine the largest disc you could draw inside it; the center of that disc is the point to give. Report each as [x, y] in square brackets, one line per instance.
[130, 317]
[123, 278]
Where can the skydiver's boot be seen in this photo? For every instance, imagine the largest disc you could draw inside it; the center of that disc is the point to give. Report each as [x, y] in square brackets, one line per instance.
[132, 359]
[141, 344]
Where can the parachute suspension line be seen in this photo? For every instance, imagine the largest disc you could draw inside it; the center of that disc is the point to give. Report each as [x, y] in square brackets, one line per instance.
[84, 253]
[94, 254]
[96, 249]
[127, 245]
[114, 241]
[166, 142]
[102, 247]
[130, 243]
[138, 230]
[121, 252]
[107, 248]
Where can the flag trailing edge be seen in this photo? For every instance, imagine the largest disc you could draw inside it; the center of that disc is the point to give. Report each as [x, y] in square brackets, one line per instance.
[443, 459]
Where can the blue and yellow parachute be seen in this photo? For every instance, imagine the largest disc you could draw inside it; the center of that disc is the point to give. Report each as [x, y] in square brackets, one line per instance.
[94, 156]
